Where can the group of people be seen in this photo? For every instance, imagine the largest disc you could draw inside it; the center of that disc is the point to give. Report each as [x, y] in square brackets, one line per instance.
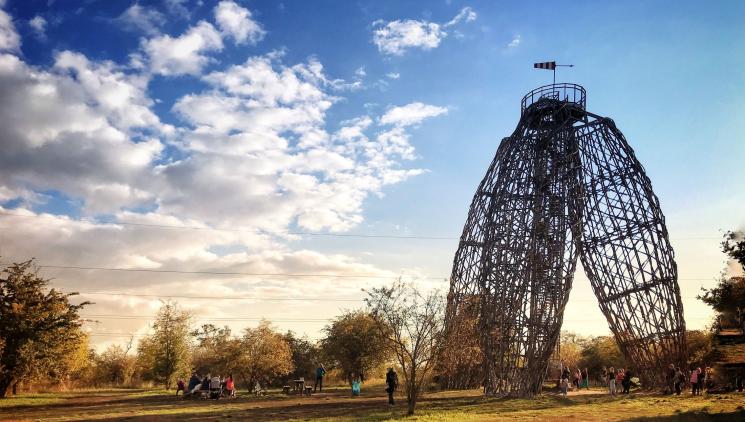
[580, 378]
[612, 378]
[215, 386]
[676, 378]
[616, 378]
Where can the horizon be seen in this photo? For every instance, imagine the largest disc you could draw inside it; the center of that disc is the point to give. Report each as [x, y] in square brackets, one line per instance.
[312, 151]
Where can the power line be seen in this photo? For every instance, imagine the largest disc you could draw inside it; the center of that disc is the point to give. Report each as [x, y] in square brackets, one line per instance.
[246, 230]
[370, 276]
[166, 296]
[151, 270]
[282, 233]
[148, 317]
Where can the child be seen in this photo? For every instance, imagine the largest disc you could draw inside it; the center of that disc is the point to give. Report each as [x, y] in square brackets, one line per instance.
[564, 386]
[180, 386]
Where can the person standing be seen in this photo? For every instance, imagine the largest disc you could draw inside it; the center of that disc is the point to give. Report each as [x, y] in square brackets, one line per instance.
[230, 386]
[320, 373]
[679, 377]
[694, 382]
[586, 379]
[180, 386]
[670, 378]
[626, 381]
[391, 382]
[564, 386]
[612, 381]
[577, 379]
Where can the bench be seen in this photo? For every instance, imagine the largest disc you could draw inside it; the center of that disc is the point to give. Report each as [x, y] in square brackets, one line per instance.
[308, 390]
[286, 389]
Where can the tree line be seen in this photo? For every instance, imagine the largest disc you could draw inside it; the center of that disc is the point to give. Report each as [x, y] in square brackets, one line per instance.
[43, 342]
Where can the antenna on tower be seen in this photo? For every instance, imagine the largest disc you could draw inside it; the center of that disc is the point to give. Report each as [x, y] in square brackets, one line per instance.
[550, 66]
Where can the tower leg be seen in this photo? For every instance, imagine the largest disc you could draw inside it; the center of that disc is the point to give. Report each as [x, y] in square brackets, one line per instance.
[528, 259]
[627, 255]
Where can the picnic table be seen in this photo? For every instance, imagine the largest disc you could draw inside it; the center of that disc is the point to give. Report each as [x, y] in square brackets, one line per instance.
[299, 385]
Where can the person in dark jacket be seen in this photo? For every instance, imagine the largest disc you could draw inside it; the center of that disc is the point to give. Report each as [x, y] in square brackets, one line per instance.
[320, 373]
[678, 380]
[670, 379]
[391, 381]
[626, 382]
[194, 381]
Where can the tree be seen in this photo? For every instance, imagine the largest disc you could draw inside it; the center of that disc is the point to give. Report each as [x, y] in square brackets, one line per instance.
[217, 350]
[601, 352]
[729, 293]
[305, 355]
[412, 325]
[37, 327]
[114, 366]
[264, 355]
[354, 344]
[700, 352]
[570, 349]
[165, 354]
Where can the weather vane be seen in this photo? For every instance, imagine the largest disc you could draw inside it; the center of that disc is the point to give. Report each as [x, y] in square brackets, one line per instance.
[550, 66]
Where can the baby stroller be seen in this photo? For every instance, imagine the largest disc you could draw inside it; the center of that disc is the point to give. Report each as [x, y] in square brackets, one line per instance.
[215, 388]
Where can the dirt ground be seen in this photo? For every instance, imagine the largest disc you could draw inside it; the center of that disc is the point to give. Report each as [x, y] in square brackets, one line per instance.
[147, 405]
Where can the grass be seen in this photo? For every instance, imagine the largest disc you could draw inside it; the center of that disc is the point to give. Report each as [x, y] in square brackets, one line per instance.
[336, 405]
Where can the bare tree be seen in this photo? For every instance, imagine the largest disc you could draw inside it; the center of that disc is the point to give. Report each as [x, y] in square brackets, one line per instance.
[412, 324]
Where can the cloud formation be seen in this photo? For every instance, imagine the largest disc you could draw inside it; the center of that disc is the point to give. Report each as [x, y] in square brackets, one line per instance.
[142, 18]
[236, 22]
[411, 114]
[515, 42]
[39, 25]
[398, 36]
[252, 148]
[185, 54]
[9, 39]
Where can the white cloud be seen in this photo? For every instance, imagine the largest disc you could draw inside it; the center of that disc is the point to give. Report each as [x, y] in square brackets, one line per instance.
[398, 36]
[515, 41]
[177, 8]
[411, 114]
[393, 75]
[74, 130]
[145, 19]
[465, 15]
[183, 55]
[39, 25]
[236, 21]
[9, 39]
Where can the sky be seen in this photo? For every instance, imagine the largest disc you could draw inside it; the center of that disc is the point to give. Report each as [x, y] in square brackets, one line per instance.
[262, 138]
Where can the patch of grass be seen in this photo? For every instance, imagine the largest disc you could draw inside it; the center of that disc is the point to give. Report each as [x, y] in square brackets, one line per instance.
[336, 405]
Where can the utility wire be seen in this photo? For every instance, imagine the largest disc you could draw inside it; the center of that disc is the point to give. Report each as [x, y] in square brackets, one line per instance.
[246, 230]
[288, 298]
[150, 270]
[166, 296]
[280, 233]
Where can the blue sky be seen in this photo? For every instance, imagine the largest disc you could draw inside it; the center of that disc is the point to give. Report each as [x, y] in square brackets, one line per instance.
[391, 136]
